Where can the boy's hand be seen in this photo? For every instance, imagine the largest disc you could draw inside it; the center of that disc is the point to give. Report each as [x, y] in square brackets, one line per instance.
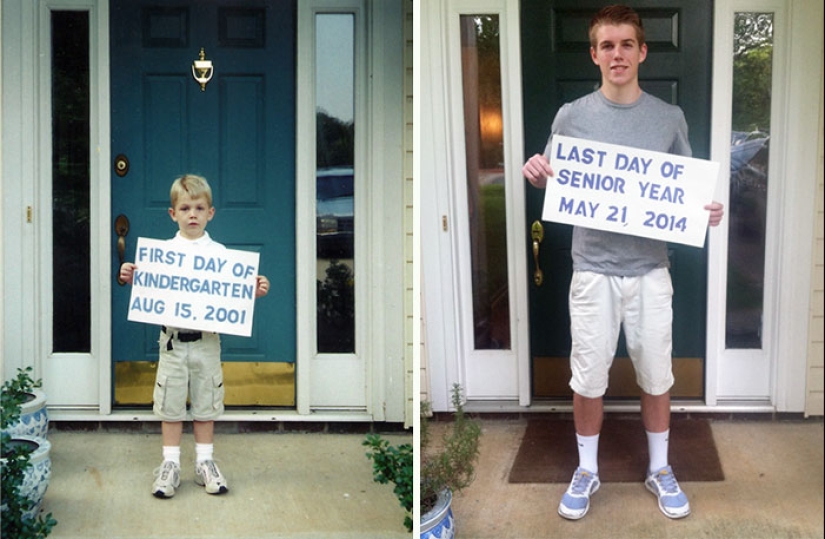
[263, 286]
[536, 170]
[127, 272]
[717, 210]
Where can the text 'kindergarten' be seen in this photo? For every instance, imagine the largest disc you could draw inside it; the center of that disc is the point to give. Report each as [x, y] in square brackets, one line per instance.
[629, 191]
[182, 286]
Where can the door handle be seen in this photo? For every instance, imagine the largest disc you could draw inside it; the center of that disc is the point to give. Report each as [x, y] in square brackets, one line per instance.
[121, 229]
[537, 233]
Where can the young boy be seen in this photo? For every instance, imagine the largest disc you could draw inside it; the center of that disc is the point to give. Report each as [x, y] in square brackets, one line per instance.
[620, 280]
[190, 361]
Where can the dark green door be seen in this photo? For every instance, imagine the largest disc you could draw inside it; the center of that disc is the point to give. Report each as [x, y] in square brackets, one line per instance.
[557, 68]
[239, 133]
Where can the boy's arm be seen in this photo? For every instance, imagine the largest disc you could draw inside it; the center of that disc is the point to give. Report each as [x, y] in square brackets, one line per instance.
[262, 287]
[127, 272]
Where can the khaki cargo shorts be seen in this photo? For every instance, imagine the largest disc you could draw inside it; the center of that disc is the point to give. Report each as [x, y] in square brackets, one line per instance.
[189, 370]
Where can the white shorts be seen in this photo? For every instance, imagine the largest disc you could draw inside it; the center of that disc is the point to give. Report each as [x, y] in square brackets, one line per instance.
[600, 305]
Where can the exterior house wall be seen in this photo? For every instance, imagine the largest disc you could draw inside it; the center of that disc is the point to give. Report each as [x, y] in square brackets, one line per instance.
[409, 218]
[815, 386]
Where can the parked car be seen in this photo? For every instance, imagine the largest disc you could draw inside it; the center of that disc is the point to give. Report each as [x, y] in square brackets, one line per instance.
[335, 213]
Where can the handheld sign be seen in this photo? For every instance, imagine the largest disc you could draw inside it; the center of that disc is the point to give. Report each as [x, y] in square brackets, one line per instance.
[630, 191]
[182, 286]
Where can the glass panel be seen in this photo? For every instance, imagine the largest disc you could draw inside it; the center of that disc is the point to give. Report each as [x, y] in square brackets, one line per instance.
[335, 190]
[481, 71]
[71, 281]
[747, 210]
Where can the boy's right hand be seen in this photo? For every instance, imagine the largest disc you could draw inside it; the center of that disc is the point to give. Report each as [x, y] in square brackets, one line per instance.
[127, 272]
[536, 170]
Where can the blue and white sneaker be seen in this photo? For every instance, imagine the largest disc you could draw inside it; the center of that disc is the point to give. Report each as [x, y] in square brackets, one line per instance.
[576, 501]
[672, 501]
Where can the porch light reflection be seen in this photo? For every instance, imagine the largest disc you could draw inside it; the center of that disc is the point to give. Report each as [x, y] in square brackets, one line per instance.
[486, 191]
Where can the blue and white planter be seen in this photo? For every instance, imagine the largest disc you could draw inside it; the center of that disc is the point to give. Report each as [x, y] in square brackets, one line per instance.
[34, 417]
[438, 522]
[38, 474]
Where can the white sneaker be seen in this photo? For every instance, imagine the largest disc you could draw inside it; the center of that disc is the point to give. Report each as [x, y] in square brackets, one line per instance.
[167, 479]
[208, 475]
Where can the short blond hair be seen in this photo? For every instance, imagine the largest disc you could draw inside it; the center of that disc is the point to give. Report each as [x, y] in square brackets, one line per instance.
[194, 186]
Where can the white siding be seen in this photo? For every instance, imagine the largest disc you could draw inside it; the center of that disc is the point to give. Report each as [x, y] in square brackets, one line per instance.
[815, 398]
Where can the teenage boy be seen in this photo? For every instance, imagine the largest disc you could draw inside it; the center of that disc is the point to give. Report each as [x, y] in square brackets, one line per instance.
[620, 280]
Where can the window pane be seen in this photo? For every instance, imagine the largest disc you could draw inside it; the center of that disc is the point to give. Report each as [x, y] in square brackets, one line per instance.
[481, 70]
[747, 211]
[70, 182]
[335, 189]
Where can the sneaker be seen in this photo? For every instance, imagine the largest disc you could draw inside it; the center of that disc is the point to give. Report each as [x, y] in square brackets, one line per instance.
[208, 475]
[576, 501]
[672, 501]
[167, 479]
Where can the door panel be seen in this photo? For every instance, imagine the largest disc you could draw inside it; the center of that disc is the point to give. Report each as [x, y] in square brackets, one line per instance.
[557, 68]
[238, 132]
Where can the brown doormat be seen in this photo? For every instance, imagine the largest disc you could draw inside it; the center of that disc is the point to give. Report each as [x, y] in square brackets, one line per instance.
[548, 452]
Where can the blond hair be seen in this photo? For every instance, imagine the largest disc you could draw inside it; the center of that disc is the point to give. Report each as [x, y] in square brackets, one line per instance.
[614, 16]
[192, 185]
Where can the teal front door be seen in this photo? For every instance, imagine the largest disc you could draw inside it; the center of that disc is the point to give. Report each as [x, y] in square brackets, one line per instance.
[238, 131]
[555, 46]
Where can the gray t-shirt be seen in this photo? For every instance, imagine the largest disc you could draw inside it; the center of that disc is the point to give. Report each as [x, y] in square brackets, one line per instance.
[648, 123]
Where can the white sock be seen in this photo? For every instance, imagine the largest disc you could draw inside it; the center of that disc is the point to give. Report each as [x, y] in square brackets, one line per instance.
[172, 452]
[657, 446]
[588, 452]
[203, 452]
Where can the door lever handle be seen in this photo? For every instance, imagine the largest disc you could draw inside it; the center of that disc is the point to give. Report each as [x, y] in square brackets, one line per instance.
[121, 229]
[537, 233]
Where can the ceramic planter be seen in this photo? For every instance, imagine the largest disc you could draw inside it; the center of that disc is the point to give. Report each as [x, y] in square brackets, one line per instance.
[438, 522]
[34, 417]
[39, 472]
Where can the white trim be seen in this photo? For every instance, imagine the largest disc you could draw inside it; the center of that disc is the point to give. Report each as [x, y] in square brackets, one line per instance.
[804, 58]
[437, 254]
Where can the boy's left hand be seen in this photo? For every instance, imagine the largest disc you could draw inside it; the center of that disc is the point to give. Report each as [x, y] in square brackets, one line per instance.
[717, 210]
[263, 286]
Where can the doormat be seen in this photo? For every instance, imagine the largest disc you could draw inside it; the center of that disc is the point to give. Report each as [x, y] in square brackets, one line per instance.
[548, 452]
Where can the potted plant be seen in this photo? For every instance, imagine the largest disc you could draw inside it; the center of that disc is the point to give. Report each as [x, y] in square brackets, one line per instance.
[24, 406]
[25, 462]
[393, 464]
[446, 468]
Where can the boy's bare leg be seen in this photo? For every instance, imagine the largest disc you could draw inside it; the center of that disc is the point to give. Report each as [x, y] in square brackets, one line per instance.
[656, 412]
[587, 414]
[171, 432]
[204, 431]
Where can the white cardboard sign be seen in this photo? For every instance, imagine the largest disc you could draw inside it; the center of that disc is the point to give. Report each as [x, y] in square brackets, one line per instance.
[630, 191]
[185, 287]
